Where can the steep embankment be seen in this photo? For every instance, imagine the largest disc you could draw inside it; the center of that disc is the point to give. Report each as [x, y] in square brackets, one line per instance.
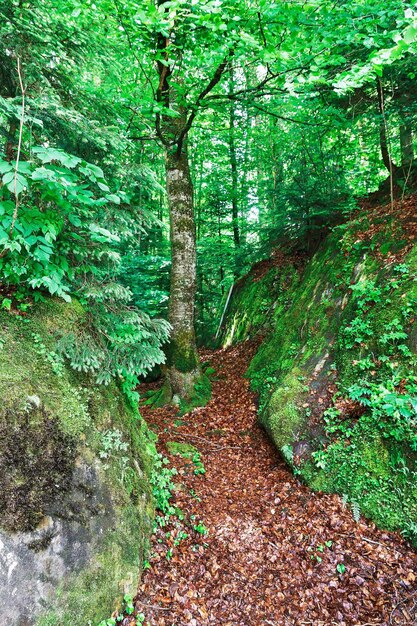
[75, 509]
[336, 372]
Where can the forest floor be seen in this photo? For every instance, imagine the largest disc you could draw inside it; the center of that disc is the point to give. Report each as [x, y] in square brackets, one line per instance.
[256, 547]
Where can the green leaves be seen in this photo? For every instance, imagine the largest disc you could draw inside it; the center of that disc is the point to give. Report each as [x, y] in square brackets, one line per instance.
[5, 167]
[12, 179]
[102, 234]
[111, 197]
[48, 155]
[377, 60]
[15, 183]
[410, 34]
[57, 221]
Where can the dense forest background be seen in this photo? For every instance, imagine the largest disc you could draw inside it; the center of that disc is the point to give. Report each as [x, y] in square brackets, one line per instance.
[314, 107]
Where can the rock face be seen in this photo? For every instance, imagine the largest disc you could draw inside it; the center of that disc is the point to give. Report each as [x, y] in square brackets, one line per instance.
[63, 542]
[75, 506]
[336, 369]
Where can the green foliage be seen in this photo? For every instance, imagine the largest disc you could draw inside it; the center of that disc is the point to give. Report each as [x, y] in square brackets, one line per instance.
[162, 488]
[201, 529]
[50, 356]
[126, 342]
[147, 277]
[187, 451]
[57, 244]
[128, 608]
[56, 236]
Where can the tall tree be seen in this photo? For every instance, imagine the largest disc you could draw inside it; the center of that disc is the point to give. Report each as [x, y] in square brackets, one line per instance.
[173, 125]
[281, 47]
[233, 164]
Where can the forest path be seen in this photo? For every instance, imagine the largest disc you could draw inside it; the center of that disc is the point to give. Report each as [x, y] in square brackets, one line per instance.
[273, 547]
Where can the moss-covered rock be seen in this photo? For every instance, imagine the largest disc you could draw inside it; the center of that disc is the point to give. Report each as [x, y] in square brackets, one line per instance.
[285, 415]
[253, 301]
[75, 459]
[336, 373]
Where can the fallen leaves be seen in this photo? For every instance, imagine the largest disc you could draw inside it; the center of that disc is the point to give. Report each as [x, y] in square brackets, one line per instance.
[276, 553]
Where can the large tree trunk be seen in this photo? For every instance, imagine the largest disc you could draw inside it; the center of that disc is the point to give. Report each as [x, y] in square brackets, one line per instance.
[183, 362]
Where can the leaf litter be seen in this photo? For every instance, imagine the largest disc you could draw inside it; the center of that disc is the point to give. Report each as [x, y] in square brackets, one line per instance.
[256, 547]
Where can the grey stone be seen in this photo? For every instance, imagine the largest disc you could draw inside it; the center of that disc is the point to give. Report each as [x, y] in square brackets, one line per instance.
[33, 564]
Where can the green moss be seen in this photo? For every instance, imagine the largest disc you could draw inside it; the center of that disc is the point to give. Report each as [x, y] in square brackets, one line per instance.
[282, 415]
[200, 396]
[24, 366]
[161, 397]
[181, 353]
[252, 304]
[375, 456]
[185, 450]
[94, 593]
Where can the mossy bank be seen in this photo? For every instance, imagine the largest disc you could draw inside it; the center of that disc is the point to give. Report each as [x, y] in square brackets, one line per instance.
[336, 373]
[75, 460]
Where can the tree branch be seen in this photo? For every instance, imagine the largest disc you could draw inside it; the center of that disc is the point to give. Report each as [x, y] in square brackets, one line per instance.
[194, 109]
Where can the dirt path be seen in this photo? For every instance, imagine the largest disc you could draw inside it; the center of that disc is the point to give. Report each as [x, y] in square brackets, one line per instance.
[276, 553]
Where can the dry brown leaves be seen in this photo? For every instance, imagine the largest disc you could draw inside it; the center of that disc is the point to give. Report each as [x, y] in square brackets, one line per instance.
[258, 565]
[397, 220]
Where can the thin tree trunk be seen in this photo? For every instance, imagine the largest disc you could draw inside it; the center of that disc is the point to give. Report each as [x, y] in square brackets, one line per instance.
[275, 165]
[233, 168]
[219, 233]
[199, 198]
[183, 362]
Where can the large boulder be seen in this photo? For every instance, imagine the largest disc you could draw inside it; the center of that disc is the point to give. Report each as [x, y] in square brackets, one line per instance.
[336, 370]
[75, 459]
